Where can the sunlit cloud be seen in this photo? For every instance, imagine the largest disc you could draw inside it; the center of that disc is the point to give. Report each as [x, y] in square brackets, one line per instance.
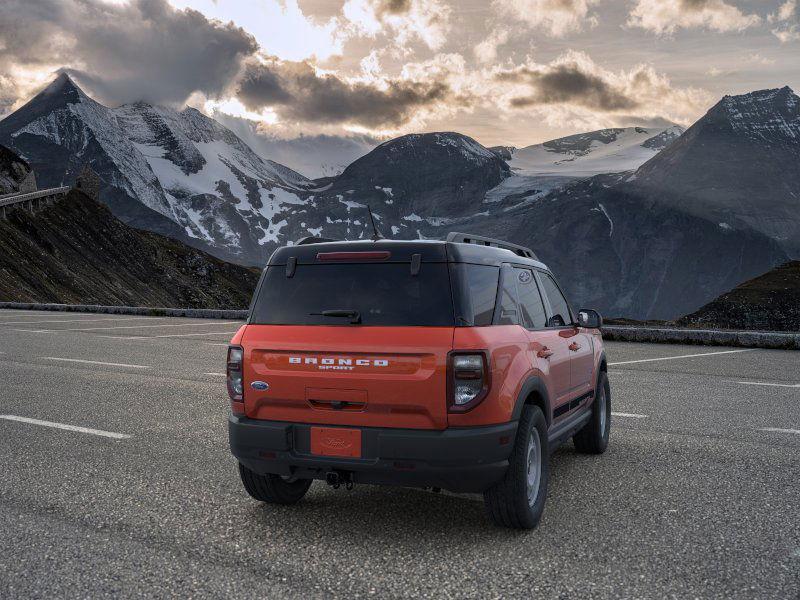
[574, 86]
[664, 17]
[556, 17]
[297, 91]
[486, 50]
[788, 28]
[279, 27]
[235, 108]
[406, 21]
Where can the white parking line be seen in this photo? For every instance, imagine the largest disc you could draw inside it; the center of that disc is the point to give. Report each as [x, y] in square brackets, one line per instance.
[629, 415]
[192, 334]
[778, 430]
[100, 432]
[216, 344]
[94, 362]
[216, 374]
[786, 385]
[644, 360]
[127, 327]
[78, 320]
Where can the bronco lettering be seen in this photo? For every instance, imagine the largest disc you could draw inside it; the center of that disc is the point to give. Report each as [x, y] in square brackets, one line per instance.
[341, 362]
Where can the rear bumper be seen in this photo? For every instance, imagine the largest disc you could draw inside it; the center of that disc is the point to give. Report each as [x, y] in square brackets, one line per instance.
[460, 460]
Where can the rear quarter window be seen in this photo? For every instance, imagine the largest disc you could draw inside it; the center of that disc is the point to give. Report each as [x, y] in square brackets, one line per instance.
[474, 292]
[385, 294]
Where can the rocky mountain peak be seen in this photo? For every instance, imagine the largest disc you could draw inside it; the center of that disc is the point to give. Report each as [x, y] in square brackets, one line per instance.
[763, 114]
[442, 143]
[64, 84]
[421, 155]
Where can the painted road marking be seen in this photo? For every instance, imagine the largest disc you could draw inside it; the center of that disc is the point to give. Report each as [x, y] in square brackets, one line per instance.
[128, 327]
[94, 362]
[216, 374]
[779, 430]
[174, 335]
[192, 334]
[100, 432]
[216, 344]
[629, 415]
[644, 360]
[77, 320]
[786, 385]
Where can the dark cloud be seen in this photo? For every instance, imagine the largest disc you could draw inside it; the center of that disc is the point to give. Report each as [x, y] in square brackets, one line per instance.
[141, 50]
[567, 83]
[394, 7]
[695, 4]
[297, 92]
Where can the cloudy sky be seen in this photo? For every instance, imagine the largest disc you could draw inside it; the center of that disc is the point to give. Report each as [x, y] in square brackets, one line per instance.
[503, 71]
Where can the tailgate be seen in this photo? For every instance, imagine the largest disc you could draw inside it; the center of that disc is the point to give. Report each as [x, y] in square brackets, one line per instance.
[345, 375]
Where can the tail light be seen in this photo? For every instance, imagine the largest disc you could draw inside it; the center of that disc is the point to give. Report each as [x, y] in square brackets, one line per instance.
[235, 379]
[467, 380]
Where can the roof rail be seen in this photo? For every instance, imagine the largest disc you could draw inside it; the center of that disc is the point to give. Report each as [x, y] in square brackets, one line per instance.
[468, 238]
[313, 239]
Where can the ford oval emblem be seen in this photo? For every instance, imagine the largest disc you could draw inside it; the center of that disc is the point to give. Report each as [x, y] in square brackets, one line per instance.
[260, 385]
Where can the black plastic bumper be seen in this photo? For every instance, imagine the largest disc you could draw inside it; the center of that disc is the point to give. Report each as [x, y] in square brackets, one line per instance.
[460, 460]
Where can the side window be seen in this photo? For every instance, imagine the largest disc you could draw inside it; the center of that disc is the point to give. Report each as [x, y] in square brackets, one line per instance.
[506, 311]
[530, 300]
[558, 303]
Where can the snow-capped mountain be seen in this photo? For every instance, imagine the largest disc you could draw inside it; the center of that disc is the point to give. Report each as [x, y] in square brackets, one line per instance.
[739, 165]
[413, 184]
[593, 153]
[717, 206]
[417, 177]
[177, 172]
[714, 207]
[540, 169]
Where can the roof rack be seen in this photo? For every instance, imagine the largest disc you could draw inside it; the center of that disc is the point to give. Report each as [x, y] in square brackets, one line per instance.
[313, 239]
[468, 238]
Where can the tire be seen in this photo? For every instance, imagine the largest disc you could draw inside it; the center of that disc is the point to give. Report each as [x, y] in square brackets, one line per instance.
[518, 501]
[273, 489]
[593, 438]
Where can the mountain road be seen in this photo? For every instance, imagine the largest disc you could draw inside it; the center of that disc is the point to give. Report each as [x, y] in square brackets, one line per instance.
[116, 480]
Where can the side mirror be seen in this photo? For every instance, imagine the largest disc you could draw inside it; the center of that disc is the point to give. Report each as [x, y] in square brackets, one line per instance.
[589, 318]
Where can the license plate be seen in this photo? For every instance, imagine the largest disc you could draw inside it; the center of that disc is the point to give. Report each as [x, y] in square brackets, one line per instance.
[335, 441]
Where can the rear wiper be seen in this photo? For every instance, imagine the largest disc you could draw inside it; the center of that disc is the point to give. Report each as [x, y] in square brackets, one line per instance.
[353, 315]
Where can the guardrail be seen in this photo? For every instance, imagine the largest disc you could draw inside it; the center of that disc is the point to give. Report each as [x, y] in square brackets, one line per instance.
[622, 333]
[16, 198]
[705, 337]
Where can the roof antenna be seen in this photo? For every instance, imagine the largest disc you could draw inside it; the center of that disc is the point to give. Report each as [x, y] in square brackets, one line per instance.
[375, 233]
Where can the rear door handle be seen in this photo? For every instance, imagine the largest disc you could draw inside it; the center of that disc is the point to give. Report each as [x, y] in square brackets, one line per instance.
[574, 347]
[544, 353]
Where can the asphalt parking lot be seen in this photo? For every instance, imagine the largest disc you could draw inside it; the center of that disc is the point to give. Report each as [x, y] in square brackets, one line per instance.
[698, 495]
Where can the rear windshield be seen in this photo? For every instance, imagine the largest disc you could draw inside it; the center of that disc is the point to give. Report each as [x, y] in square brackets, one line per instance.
[384, 294]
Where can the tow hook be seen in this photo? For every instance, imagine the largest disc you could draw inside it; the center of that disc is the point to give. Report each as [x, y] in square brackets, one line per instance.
[336, 479]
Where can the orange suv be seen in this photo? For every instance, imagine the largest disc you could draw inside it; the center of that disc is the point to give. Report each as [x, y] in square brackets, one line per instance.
[455, 364]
